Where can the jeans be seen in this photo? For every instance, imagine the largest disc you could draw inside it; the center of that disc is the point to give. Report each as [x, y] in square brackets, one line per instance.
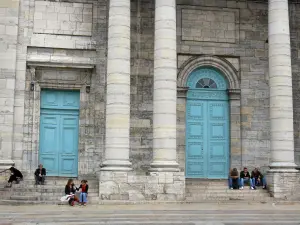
[251, 181]
[263, 181]
[230, 182]
[83, 197]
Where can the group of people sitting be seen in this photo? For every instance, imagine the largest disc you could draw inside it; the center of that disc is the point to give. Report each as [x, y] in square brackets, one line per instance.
[16, 176]
[237, 181]
[40, 175]
[71, 189]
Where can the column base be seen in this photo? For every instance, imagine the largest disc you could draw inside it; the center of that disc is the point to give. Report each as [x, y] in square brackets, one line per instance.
[116, 165]
[6, 164]
[164, 166]
[283, 182]
[281, 167]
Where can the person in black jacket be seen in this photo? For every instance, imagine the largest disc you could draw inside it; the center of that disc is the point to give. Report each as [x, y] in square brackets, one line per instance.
[258, 178]
[16, 176]
[40, 175]
[246, 178]
[70, 189]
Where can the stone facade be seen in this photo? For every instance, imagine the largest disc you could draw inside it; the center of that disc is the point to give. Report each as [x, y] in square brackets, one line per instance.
[64, 45]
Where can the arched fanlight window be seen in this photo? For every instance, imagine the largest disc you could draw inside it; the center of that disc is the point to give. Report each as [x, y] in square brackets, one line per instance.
[206, 83]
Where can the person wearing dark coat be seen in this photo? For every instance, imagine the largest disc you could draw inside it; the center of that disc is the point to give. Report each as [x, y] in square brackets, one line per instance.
[16, 176]
[70, 189]
[40, 175]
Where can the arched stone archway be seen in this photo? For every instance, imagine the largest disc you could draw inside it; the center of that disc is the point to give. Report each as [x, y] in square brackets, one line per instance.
[226, 68]
[230, 74]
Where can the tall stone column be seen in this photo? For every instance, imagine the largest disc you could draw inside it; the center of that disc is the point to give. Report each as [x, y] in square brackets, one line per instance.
[165, 87]
[118, 88]
[282, 168]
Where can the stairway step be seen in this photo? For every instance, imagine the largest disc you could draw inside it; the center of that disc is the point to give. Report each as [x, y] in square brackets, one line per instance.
[52, 199]
[43, 189]
[58, 195]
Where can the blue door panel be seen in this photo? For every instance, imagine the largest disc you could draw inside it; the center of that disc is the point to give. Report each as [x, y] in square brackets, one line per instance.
[55, 99]
[49, 146]
[218, 139]
[207, 139]
[59, 132]
[195, 135]
[69, 143]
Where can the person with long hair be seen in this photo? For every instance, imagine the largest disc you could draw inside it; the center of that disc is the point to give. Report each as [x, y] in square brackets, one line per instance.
[70, 189]
[16, 176]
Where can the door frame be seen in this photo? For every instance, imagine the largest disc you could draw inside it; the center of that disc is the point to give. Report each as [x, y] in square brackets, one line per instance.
[231, 73]
[36, 112]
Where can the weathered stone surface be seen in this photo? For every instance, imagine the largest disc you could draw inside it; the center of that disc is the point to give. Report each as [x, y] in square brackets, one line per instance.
[141, 187]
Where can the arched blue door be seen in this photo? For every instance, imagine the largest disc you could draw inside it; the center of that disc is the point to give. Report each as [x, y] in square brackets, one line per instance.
[207, 125]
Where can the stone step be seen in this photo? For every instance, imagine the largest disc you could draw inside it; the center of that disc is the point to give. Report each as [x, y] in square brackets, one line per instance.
[25, 202]
[46, 198]
[43, 189]
[246, 190]
[215, 187]
[229, 199]
[57, 182]
[246, 195]
[58, 195]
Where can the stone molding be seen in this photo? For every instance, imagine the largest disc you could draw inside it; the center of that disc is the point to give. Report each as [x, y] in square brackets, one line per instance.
[60, 65]
[230, 73]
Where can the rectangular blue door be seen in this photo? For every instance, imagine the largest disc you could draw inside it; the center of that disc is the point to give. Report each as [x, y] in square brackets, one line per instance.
[207, 139]
[59, 124]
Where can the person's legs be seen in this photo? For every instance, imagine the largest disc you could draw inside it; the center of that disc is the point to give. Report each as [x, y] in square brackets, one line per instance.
[230, 182]
[242, 180]
[264, 182]
[43, 180]
[252, 182]
[81, 197]
[71, 201]
[36, 179]
[84, 196]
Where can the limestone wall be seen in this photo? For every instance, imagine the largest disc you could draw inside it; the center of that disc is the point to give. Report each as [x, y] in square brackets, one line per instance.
[247, 50]
[64, 47]
[9, 13]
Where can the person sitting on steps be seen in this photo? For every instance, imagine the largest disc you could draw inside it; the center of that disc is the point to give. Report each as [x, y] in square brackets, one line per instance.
[258, 178]
[84, 192]
[234, 179]
[246, 178]
[16, 176]
[40, 175]
[70, 189]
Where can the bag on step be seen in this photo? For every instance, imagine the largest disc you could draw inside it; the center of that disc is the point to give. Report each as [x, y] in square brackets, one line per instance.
[66, 198]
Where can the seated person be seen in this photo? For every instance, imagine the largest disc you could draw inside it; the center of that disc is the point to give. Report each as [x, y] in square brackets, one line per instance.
[16, 176]
[258, 178]
[70, 189]
[40, 175]
[246, 178]
[234, 179]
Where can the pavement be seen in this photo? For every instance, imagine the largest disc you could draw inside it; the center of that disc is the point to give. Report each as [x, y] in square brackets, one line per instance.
[184, 214]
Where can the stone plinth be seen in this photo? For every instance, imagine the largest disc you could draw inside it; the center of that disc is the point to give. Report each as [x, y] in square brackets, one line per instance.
[157, 186]
[284, 184]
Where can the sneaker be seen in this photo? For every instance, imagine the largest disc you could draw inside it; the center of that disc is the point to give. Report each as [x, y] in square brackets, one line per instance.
[252, 188]
[264, 187]
[231, 188]
[241, 188]
[84, 204]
